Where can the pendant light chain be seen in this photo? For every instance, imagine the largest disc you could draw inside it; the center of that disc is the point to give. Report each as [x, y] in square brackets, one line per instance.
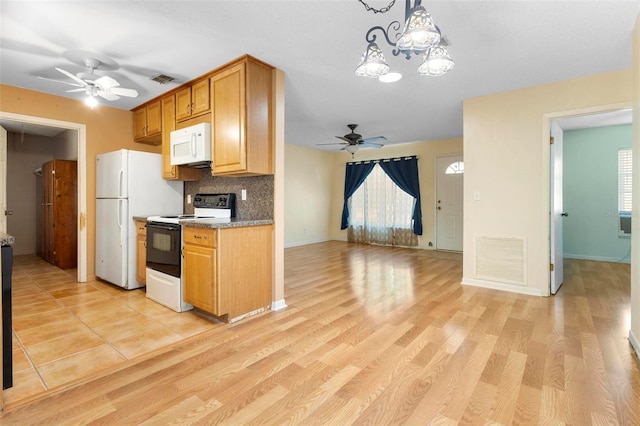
[382, 10]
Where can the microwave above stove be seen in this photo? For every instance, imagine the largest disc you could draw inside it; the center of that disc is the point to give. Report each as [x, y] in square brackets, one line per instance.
[191, 145]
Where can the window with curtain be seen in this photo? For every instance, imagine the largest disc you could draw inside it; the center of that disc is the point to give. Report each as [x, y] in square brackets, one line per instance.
[380, 212]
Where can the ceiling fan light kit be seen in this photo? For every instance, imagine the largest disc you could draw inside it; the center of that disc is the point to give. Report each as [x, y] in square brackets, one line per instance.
[94, 85]
[420, 36]
[353, 141]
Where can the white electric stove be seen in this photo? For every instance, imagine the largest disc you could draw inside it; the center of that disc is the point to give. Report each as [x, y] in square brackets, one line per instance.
[164, 247]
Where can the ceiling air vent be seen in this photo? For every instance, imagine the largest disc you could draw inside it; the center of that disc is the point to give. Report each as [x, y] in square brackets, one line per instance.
[162, 79]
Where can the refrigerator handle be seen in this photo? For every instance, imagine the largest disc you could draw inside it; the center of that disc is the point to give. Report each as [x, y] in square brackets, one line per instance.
[119, 213]
[120, 177]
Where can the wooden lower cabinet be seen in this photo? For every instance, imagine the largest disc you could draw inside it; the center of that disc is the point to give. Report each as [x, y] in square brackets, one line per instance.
[199, 268]
[141, 252]
[228, 271]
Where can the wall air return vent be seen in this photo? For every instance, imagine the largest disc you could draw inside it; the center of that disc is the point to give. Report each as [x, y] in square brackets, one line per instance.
[500, 259]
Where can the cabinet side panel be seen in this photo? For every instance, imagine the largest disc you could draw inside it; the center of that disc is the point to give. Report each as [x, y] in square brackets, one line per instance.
[259, 120]
[245, 256]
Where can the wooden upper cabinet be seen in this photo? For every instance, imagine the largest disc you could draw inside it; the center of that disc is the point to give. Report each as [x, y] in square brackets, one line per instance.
[241, 110]
[170, 172]
[193, 100]
[147, 123]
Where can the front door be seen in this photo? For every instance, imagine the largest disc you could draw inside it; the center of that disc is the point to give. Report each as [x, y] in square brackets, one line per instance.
[449, 186]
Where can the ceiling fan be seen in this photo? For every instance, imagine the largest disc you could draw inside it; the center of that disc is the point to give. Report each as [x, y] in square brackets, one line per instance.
[353, 141]
[93, 84]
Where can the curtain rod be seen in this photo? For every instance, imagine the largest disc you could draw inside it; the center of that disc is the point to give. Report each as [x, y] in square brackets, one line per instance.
[409, 157]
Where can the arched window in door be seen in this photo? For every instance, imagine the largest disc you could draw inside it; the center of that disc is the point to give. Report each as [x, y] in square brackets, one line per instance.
[455, 168]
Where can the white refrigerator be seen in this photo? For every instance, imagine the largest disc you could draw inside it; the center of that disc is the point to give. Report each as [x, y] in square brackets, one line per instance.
[128, 183]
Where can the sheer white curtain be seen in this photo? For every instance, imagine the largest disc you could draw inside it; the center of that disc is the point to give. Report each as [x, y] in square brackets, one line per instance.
[380, 212]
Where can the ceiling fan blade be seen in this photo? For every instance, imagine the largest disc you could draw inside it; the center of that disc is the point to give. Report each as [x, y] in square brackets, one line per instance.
[71, 76]
[121, 91]
[106, 82]
[334, 143]
[370, 145]
[344, 139]
[108, 95]
[76, 90]
[374, 139]
[63, 82]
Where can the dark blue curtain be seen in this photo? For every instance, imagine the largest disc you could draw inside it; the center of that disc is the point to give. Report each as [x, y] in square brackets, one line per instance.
[355, 174]
[404, 173]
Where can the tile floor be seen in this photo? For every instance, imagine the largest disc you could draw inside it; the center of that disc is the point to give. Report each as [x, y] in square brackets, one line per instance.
[64, 330]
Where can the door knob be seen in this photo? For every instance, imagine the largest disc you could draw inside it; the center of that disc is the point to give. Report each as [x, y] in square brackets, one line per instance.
[564, 214]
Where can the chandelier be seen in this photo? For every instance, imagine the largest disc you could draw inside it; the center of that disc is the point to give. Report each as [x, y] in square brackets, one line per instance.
[420, 36]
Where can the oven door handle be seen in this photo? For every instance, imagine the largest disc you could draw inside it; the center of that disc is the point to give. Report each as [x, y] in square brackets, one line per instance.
[165, 226]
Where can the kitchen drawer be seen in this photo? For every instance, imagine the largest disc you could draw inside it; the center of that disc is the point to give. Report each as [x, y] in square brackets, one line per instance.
[200, 236]
[141, 228]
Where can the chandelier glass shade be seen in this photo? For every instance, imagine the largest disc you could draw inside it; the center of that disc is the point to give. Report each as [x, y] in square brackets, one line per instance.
[420, 36]
[436, 62]
[420, 33]
[372, 64]
[351, 149]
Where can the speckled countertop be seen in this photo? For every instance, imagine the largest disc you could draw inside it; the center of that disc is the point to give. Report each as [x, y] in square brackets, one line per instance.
[217, 223]
[6, 239]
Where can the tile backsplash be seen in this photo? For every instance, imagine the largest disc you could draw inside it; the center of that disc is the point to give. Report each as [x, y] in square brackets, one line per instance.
[259, 202]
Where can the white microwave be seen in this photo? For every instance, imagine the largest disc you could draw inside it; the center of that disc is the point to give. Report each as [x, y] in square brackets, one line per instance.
[191, 145]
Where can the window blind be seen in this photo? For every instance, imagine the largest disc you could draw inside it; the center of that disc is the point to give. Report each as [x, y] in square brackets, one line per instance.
[625, 163]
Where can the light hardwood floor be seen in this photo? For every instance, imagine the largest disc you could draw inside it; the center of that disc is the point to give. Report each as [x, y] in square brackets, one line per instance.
[383, 336]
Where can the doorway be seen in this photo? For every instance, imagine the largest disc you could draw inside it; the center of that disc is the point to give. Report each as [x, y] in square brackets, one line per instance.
[449, 202]
[79, 133]
[558, 124]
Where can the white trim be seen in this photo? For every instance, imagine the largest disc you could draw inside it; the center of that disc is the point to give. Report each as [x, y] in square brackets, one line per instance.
[304, 243]
[635, 343]
[545, 206]
[493, 285]
[82, 177]
[597, 258]
[278, 305]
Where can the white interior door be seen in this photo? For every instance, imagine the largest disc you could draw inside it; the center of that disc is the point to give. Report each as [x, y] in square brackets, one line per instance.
[3, 179]
[449, 202]
[555, 233]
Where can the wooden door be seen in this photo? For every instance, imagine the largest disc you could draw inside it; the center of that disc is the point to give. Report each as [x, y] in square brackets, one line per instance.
[200, 278]
[200, 97]
[140, 123]
[48, 232]
[168, 125]
[154, 118]
[141, 259]
[183, 104]
[228, 112]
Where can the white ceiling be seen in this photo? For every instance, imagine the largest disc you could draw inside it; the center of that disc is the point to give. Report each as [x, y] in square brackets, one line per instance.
[497, 46]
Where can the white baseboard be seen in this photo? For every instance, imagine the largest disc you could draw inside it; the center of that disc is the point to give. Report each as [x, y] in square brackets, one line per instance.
[502, 286]
[278, 305]
[304, 243]
[596, 258]
[635, 343]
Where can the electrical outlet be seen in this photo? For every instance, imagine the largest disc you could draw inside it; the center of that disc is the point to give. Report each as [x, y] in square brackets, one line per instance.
[243, 195]
[430, 244]
[188, 198]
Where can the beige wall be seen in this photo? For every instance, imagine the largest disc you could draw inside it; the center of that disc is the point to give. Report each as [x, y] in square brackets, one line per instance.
[309, 176]
[634, 334]
[426, 152]
[108, 129]
[507, 162]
